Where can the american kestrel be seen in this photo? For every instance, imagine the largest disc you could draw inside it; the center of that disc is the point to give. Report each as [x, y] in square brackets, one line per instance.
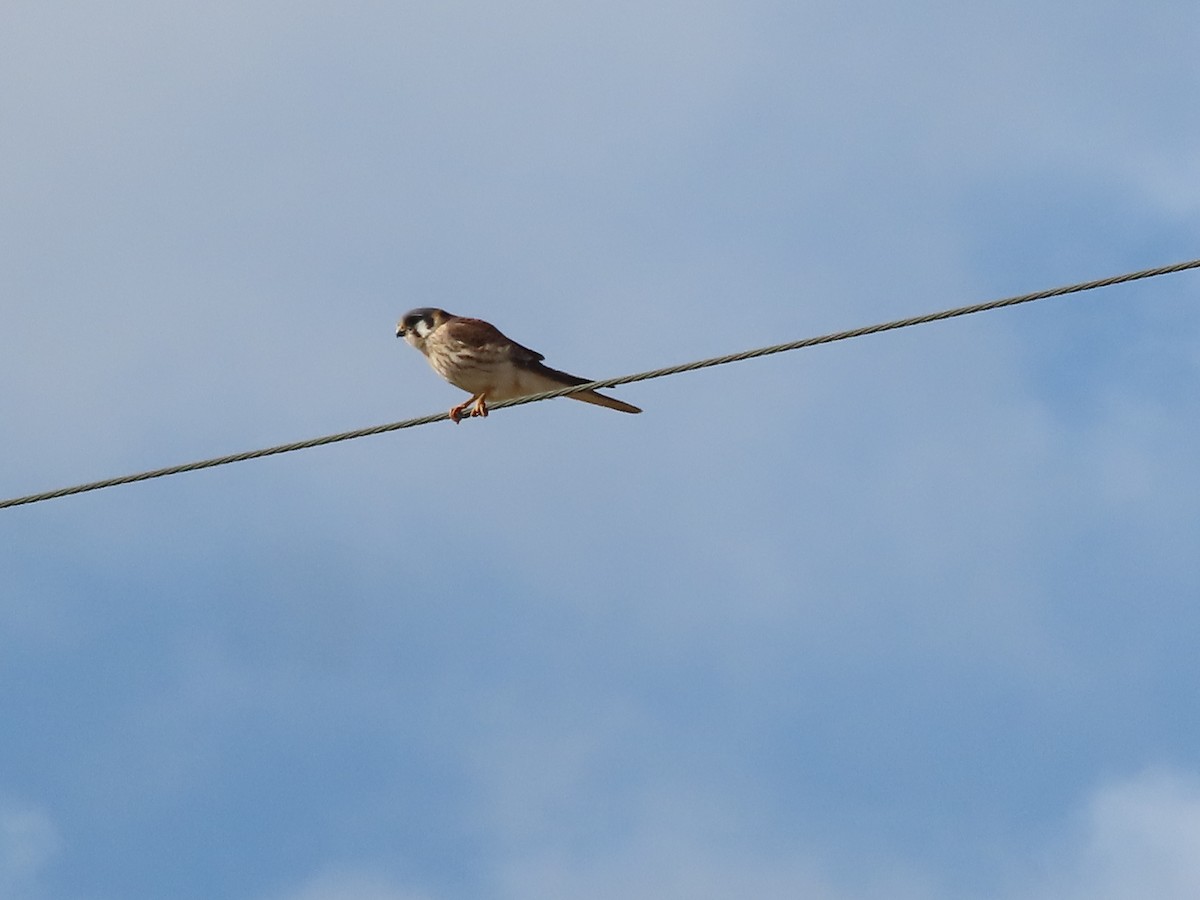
[473, 355]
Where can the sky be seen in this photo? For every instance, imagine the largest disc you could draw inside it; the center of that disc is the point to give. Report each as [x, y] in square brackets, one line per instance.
[909, 617]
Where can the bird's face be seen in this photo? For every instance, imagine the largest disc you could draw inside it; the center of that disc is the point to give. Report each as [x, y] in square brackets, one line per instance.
[418, 324]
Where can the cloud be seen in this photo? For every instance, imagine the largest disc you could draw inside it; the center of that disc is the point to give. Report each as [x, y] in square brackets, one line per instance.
[28, 842]
[1132, 839]
[1136, 838]
[696, 857]
[349, 885]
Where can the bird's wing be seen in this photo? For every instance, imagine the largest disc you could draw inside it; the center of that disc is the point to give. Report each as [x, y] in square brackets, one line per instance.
[485, 335]
[564, 379]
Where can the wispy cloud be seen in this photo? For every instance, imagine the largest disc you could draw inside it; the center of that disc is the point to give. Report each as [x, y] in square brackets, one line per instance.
[1136, 838]
[29, 841]
[349, 885]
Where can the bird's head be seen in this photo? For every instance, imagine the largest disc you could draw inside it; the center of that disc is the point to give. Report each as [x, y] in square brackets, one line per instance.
[417, 324]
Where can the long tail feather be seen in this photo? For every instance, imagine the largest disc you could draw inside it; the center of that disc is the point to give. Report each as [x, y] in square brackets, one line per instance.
[565, 378]
[602, 400]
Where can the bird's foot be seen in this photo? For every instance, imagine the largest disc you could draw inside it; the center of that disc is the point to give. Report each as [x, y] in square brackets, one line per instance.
[479, 408]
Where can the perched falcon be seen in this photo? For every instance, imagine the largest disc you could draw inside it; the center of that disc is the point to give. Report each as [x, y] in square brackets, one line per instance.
[473, 355]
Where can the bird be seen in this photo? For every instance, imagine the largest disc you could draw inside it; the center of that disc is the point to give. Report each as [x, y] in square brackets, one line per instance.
[474, 355]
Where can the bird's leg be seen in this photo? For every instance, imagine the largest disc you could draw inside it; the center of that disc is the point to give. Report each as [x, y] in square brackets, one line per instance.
[456, 414]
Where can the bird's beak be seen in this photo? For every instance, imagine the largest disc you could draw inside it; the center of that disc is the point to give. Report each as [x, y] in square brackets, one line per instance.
[399, 331]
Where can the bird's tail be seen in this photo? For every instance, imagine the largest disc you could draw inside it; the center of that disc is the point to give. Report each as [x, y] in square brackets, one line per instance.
[587, 396]
[602, 400]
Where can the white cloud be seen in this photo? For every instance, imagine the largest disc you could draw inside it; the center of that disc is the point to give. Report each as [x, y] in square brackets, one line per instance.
[692, 874]
[696, 848]
[350, 885]
[1136, 839]
[28, 842]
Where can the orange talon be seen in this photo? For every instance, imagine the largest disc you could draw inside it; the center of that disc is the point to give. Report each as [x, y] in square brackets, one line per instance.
[479, 409]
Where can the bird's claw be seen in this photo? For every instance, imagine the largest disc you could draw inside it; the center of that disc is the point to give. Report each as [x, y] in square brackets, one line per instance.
[479, 409]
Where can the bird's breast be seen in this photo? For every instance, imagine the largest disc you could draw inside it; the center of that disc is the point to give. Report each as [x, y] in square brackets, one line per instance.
[474, 369]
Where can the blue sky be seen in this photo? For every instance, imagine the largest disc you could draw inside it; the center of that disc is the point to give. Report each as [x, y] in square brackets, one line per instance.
[911, 616]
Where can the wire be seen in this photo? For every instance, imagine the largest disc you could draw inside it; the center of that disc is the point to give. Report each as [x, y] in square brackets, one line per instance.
[612, 382]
